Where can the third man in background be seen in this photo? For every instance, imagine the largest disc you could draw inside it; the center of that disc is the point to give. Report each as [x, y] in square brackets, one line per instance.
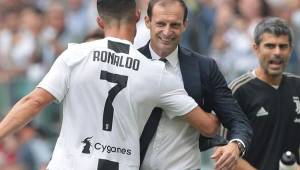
[270, 98]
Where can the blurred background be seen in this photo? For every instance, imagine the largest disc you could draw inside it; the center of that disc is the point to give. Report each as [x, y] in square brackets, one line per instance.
[34, 32]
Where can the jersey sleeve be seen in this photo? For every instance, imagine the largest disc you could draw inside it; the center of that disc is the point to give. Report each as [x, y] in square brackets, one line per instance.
[173, 99]
[56, 81]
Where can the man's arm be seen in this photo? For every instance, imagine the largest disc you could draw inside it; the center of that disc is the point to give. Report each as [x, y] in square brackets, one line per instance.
[227, 108]
[230, 115]
[207, 124]
[175, 101]
[24, 111]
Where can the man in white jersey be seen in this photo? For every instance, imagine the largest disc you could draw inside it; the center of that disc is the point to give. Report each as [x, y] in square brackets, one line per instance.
[107, 90]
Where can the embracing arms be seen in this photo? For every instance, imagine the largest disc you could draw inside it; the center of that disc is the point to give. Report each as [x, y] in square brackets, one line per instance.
[24, 111]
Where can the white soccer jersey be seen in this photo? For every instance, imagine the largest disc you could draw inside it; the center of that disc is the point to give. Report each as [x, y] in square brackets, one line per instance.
[108, 91]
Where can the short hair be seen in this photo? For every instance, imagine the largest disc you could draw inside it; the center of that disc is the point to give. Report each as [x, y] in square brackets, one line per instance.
[165, 2]
[116, 9]
[272, 25]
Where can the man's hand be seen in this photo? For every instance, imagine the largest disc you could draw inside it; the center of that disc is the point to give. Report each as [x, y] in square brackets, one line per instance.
[226, 156]
[244, 165]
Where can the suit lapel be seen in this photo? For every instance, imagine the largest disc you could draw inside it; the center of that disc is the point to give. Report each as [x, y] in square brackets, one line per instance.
[146, 51]
[190, 71]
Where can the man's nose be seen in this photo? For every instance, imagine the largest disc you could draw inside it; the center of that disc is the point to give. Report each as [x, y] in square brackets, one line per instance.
[167, 31]
[277, 50]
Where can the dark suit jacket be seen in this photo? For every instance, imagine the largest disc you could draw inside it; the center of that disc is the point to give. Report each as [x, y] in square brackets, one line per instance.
[204, 82]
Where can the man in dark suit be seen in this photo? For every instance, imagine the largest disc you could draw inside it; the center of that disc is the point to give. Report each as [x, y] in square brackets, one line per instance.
[175, 143]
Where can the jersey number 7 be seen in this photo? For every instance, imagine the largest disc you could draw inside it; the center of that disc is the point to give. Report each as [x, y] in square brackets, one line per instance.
[121, 83]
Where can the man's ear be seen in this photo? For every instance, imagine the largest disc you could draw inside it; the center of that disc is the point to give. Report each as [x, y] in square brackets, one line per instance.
[100, 22]
[255, 48]
[185, 24]
[138, 15]
[147, 21]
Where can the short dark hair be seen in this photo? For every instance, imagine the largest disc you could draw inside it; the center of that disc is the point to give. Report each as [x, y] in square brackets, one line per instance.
[153, 2]
[272, 25]
[117, 9]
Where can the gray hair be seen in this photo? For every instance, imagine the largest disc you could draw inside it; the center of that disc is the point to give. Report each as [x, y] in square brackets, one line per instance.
[275, 26]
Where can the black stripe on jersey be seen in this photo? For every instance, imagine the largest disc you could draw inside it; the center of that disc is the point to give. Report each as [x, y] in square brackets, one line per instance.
[118, 47]
[107, 165]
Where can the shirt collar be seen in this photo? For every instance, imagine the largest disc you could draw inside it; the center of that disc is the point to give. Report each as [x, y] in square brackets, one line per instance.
[172, 58]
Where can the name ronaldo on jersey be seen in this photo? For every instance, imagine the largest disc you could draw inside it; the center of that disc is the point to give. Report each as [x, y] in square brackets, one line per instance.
[117, 60]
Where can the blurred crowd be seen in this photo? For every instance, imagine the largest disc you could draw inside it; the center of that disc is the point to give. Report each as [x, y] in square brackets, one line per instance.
[34, 32]
[223, 29]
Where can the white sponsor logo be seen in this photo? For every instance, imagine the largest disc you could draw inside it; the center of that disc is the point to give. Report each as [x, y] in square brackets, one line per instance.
[297, 120]
[262, 112]
[297, 102]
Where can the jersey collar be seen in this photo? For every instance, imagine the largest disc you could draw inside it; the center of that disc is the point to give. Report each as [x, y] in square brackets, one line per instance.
[118, 40]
